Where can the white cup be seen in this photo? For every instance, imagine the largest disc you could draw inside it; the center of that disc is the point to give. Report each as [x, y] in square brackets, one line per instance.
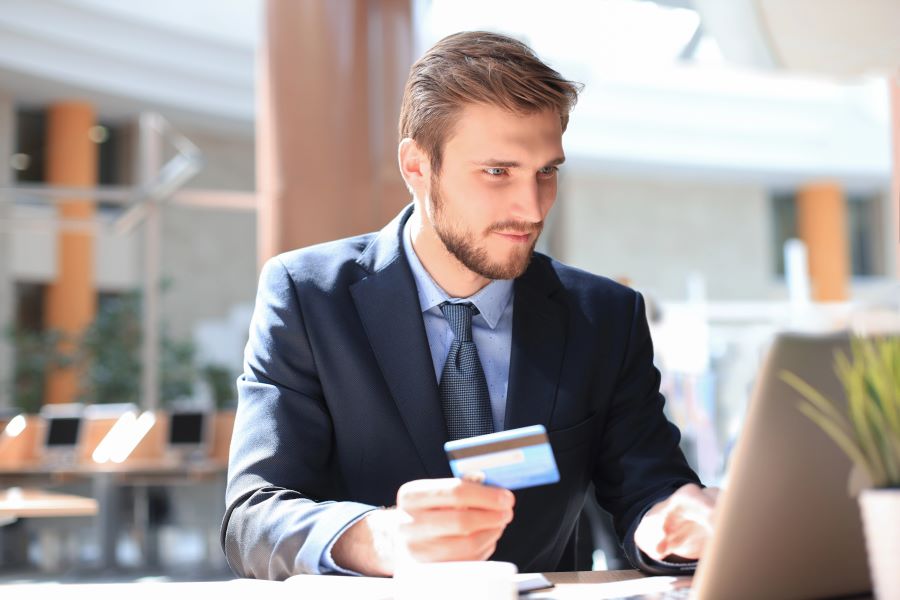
[469, 580]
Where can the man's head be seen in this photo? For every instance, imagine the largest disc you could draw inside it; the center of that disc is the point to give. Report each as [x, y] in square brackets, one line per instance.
[481, 137]
[477, 67]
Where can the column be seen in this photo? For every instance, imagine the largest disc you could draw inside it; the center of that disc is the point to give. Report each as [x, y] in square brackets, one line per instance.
[71, 301]
[331, 77]
[894, 207]
[822, 225]
[7, 140]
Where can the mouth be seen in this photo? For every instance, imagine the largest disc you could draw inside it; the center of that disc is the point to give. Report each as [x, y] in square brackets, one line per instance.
[520, 238]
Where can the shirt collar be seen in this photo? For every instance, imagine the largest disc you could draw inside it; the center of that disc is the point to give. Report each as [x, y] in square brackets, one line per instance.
[491, 300]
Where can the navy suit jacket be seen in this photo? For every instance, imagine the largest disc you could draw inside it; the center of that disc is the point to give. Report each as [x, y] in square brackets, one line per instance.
[338, 405]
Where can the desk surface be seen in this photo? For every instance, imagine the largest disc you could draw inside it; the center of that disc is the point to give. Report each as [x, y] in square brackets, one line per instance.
[598, 584]
[18, 503]
[570, 578]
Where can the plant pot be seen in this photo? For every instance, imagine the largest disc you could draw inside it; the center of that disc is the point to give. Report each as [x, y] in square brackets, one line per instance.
[881, 523]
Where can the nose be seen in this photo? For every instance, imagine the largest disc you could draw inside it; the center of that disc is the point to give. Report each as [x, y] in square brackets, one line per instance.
[528, 203]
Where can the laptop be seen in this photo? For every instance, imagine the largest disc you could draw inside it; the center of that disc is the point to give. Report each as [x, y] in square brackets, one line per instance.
[787, 525]
[190, 434]
[62, 437]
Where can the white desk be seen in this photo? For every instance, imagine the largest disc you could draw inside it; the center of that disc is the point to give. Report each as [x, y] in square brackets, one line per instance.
[16, 503]
[593, 585]
[569, 585]
[584, 584]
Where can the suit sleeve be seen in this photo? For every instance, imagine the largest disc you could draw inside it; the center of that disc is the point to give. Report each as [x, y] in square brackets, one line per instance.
[640, 461]
[280, 515]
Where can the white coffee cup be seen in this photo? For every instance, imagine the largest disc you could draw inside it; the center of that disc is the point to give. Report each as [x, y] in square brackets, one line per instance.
[469, 580]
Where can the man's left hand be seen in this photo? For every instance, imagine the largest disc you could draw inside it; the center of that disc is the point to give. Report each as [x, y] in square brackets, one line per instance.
[679, 526]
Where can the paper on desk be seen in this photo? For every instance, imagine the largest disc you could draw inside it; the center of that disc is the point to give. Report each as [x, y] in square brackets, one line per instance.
[613, 589]
[527, 582]
[377, 588]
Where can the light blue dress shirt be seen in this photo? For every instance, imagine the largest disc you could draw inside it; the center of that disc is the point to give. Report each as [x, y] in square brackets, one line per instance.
[491, 327]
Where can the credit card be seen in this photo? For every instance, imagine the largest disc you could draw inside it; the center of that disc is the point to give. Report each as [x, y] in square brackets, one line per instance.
[512, 459]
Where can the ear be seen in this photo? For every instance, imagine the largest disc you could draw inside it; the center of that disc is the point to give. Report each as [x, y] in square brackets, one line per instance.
[415, 167]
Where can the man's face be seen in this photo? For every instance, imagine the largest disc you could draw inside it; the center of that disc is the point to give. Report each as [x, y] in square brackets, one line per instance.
[497, 183]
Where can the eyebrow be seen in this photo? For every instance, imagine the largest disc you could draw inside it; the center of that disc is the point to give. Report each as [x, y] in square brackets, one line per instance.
[511, 164]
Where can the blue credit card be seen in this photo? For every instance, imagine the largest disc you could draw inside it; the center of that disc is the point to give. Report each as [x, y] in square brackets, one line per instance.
[512, 459]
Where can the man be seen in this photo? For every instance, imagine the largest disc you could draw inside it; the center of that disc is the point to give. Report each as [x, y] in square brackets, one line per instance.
[367, 354]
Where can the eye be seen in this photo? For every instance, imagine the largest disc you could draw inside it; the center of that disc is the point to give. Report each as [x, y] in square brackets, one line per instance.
[547, 172]
[495, 171]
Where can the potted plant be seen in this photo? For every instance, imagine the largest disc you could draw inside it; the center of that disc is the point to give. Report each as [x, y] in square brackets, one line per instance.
[867, 429]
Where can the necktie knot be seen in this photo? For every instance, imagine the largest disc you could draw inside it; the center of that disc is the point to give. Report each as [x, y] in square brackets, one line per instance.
[460, 318]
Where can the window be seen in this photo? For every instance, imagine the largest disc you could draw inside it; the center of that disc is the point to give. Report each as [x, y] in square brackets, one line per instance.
[29, 306]
[784, 211]
[865, 235]
[29, 162]
[863, 231]
[31, 134]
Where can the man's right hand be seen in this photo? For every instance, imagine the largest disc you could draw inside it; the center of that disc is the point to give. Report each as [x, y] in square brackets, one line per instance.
[434, 520]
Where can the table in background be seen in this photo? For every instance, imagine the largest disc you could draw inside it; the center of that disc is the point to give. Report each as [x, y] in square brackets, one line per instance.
[18, 503]
[27, 503]
[108, 479]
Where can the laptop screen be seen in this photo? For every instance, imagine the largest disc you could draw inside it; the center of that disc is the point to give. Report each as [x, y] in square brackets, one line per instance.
[187, 428]
[62, 431]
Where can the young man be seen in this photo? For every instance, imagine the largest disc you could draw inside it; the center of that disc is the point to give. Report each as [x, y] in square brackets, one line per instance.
[367, 354]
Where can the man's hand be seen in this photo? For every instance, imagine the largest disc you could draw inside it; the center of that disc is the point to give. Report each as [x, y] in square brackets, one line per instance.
[679, 526]
[435, 520]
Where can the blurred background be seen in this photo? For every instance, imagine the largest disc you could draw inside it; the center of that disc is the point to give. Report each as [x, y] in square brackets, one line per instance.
[734, 160]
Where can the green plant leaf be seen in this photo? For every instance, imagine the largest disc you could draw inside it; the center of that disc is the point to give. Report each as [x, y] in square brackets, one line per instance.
[813, 395]
[852, 376]
[842, 439]
[867, 427]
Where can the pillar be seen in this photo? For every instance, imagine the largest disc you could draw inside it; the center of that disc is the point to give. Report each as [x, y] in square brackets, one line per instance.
[822, 225]
[71, 301]
[7, 137]
[331, 78]
[894, 206]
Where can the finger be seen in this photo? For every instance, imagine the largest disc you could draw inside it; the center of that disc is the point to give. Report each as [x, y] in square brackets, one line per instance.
[487, 546]
[687, 541]
[452, 493]
[690, 506]
[702, 521]
[480, 546]
[651, 533]
[441, 522]
[688, 509]
[652, 546]
[477, 546]
[690, 547]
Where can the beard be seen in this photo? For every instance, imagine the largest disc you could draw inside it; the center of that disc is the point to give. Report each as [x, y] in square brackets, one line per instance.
[462, 243]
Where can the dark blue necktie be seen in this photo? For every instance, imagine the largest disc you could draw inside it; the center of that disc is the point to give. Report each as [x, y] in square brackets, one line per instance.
[463, 389]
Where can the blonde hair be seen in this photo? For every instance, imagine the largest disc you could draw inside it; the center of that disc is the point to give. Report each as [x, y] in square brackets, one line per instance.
[477, 67]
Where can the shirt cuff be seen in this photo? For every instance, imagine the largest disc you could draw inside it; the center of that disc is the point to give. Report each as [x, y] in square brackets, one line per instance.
[326, 562]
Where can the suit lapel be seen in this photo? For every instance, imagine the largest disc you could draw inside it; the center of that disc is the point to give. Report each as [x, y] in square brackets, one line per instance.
[388, 306]
[538, 345]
